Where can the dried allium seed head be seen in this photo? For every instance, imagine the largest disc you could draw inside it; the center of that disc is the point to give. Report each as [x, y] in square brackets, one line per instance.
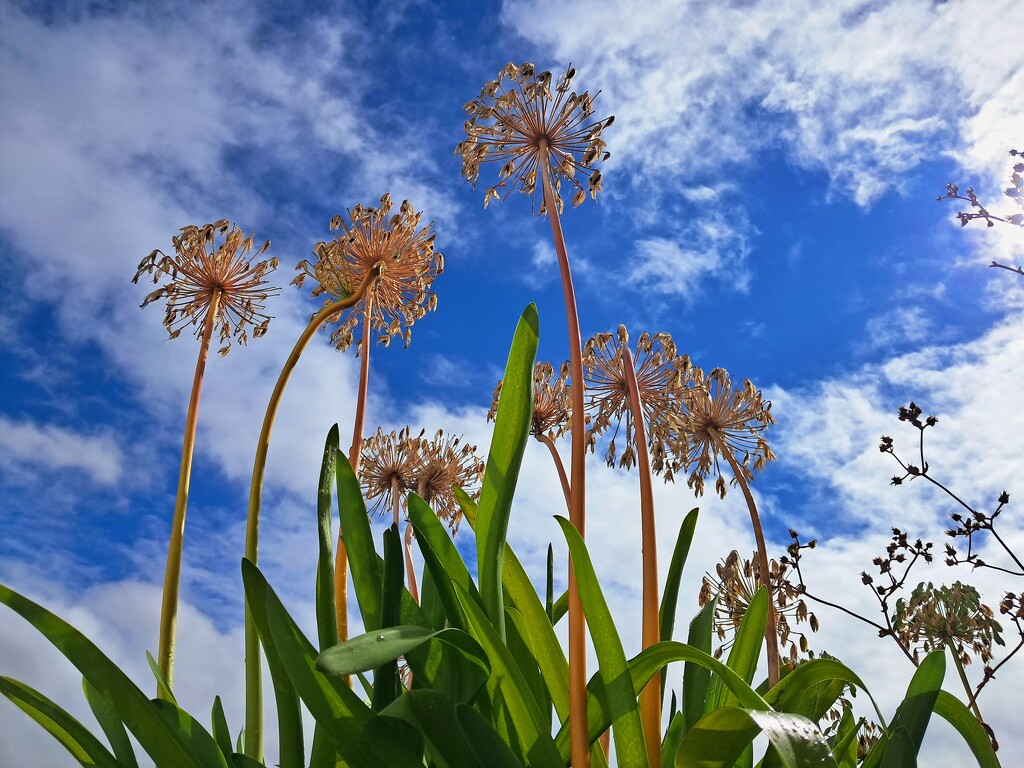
[387, 468]
[528, 126]
[399, 254]
[441, 464]
[663, 379]
[721, 417]
[208, 261]
[941, 617]
[735, 585]
[550, 401]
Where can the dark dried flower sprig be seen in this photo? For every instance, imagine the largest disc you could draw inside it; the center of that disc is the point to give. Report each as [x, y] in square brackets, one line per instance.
[212, 261]
[722, 418]
[1015, 192]
[974, 522]
[550, 401]
[735, 585]
[530, 125]
[664, 380]
[397, 250]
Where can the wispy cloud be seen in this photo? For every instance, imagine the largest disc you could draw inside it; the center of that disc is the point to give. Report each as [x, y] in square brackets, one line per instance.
[29, 449]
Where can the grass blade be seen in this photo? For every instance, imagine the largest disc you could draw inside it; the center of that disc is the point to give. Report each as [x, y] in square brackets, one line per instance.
[508, 443]
[326, 621]
[385, 677]
[620, 694]
[432, 714]
[362, 555]
[112, 726]
[199, 740]
[72, 735]
[221, 732]
[670, 597]
[960, 717]
[486, 744]
[745, 651]
[697, 678]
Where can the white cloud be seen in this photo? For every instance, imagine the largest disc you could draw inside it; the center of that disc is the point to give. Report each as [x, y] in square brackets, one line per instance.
[27, 447]
[901, 326]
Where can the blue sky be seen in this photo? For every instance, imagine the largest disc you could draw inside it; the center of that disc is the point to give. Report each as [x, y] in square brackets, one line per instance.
[770, 202]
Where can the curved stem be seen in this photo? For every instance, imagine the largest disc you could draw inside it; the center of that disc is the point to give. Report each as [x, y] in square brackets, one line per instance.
[771, 634]
[340, 552]
[559, 467]
[172, 571]
[253, 684]
[578, 738]
[971, 700]
[650, 696]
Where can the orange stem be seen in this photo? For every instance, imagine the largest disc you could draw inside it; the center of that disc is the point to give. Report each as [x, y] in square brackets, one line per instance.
[560, 467]
[578, 737]
[771, 634]
[650, 696]
[172, 571]
[409, 570]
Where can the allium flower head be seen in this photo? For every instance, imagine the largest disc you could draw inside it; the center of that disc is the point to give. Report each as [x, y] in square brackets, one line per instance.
[550, 401]
[387, 468]
[941, 617]
[214, 260]
[441, 464]
[528, 124]
[663, 378]
[735, 585]
[399, 254]
[721, 418]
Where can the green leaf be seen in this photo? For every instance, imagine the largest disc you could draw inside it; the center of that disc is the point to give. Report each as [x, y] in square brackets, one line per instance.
[560, 607]
[112, 726]
[844, 743]
[520, 643]
[900, 750]
[673, 738]
[549, 591]
[630, 748]
[198, 738]
[960, 717]
[745, 651]
[508, 689]
[432, 714]
[239, 760]
[385, 677]
[670, 597]
[430, 601]
[720, 737]
[487, 746]
[161, 681]
[456, 665]
[362, 555]
[326, 618]
[803, 691]
[696, 677]
[373, 649]
[508, 443]
[72, 735]
[131, 704]
[289, 712]
[221, 732]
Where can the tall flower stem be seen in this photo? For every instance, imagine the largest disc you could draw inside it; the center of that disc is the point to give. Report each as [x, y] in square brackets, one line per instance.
[650, 696]
[971, 699]
[172, 572]
[340, 553]
[578, 738]
[771, 634]
[562, 478]
[253, 683]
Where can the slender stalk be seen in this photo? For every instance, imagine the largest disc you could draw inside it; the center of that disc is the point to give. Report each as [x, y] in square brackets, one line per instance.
[650, 696]
[771, 634]
[340, 552]
[971, 699]
[578, 738]
[410, 572]
[253, 682]
[172, 572]
[560, 467]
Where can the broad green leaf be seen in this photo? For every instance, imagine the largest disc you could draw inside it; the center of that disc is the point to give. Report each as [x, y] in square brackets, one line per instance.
[523, 597]
[372, 649]
[800, 692]
[219, 723]
[630, 748]
[549, 591]
[362, 556]
[721, 736]
[673, 738]
[430, 601]
[456, 665]
[900, 750]
[509, 690]
[487, 746]
[508, 443]
[131, 704]
[915, 710]
[697, 677]
[844, 743]
[520, 644]
[72, 735]
[112, 726]
[161, 681]
[385, 677]
[289, 711]
[432, 714]
[642, 668]
[670, 597]
[198, 738]
[959, 716]
[326, 619]
[745, 651]
[239, 760]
